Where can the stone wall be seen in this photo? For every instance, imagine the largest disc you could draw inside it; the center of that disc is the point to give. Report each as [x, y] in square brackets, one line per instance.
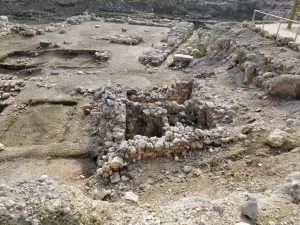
[127, 126]
[198, 9]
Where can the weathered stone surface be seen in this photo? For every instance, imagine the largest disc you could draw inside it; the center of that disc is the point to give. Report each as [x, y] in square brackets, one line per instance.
[155, 56]
[116, 163]
[250, 70]
[183, 58]
[131, 196]
[115, 177]
[3, 18]
[285, 86]
[127, 40]
[250, 208]
[2, 147]
[277, 138]
[100, 194]
[29, 33]
[50, 197]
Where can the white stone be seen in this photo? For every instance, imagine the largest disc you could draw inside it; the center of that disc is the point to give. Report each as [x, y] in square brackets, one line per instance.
[99, 194]
[277, 138]
[250, 208]
[169, 134]
[2, 147]
[142, 144]
[44, 177]
[116, 163]
[29, 32]
[115, 177]
[132, 150]
[183, 58]
[199, 132]
[131, 196]
[124, 178]
[3, 18]
[187, 169]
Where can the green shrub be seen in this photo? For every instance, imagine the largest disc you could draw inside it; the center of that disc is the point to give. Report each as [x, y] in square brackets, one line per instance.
[199, 51]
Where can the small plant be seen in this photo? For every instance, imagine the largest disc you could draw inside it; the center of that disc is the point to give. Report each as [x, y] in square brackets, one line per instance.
[199, 51]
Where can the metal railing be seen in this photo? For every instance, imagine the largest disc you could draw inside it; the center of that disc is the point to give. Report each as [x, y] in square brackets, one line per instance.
[281, 20]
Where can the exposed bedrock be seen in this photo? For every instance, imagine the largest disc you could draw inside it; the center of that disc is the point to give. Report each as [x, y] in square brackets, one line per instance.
[193, 8]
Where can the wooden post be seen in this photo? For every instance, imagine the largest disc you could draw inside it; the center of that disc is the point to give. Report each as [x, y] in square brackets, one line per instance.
[293, 13]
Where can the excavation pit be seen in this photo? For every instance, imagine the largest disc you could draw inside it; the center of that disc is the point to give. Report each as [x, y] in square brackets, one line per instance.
[60, 58]
[143, 125]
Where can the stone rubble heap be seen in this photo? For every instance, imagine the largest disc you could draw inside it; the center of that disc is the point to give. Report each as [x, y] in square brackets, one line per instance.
[141, 21]
[153, 23]
[279, 40]
[5, 26]
[74, 20]
[44, 201]
[180, 61]
[126, 40]
[275, 76]
[193, 48]
[270, 206]
[167, 121]
[10, 86]
[175, 36]
[115, 20]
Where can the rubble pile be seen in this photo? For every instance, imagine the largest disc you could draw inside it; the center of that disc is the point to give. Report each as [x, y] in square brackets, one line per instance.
[277, 77]
[126, 40]
[115, 20]
[76, 20]
[175, 36]
[141, 21]
[133, 125]
[193, 48]
[153, 23]
[44, 201]
[199, 38]
[5, 26]
[279, 40]
[10, 86]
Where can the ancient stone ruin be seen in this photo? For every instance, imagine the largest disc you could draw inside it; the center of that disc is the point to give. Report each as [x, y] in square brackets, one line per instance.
[133, 125]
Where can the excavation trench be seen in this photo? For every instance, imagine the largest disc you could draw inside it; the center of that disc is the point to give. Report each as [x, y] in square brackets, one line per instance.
[143, 125]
